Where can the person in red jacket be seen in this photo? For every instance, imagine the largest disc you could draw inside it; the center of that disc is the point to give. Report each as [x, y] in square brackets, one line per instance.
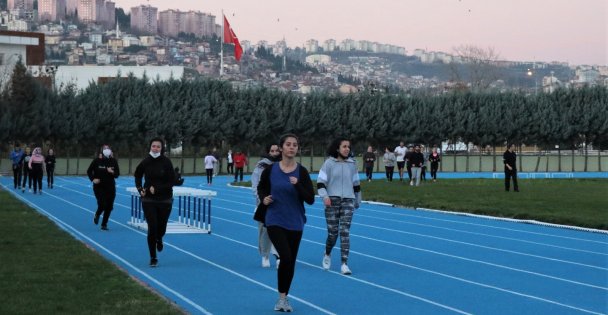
[239, 160]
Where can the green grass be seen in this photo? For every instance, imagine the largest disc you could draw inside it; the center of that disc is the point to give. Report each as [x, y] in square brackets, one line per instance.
[578, 202]
[44, 270]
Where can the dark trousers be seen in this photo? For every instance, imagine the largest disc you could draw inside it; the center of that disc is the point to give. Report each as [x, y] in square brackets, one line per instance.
[209, 172]
[26, 178]
[105, 196]
[389, 172]
[157, 217]
[369, 170]
[239, 170]
[230, 168]
[17, 171]
[423, 172]
[508, 175]
[409, 172]
[287, 244]
[434, 168]
[50, 176]
[36, 176]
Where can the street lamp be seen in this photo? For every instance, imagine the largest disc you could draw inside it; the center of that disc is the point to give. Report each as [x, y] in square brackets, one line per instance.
[532, 74]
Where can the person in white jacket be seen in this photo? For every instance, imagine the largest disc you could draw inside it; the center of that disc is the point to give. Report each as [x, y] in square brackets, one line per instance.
[338, 184]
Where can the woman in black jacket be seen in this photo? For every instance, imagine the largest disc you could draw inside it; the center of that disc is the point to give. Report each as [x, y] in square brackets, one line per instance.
[156, 194]
[102, 172]
[50, 168]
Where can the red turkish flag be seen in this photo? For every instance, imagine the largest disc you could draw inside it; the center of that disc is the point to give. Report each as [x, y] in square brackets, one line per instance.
[231, 38]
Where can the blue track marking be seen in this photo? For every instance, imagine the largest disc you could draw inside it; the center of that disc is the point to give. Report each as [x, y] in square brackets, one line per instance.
[404, 261]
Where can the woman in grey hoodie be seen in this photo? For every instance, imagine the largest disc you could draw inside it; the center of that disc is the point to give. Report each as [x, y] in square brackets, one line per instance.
[338, 185]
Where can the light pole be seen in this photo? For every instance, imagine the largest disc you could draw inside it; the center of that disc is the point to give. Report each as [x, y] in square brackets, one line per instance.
[532, 74]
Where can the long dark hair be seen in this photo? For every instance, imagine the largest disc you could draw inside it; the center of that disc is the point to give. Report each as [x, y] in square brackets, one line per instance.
[334, 147]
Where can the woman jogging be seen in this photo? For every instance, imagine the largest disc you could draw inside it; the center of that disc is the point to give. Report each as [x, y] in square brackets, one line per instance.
[102, 172]
[36, 167]
[156, 193]
[283, 188]
[338, 185]
[50, 168]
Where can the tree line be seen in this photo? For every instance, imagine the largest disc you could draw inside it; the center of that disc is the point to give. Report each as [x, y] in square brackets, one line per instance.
[125, 112]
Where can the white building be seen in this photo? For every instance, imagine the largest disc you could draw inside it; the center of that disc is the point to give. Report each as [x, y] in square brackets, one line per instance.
[318, 59]
[329, 45]
[51, 10]
[144, 19]
[311, 46]
[82, 76]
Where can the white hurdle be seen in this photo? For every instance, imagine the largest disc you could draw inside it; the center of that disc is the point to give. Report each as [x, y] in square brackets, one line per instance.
[194, 211]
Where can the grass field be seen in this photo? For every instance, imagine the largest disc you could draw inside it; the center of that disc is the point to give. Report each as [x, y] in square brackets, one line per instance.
[578, 202]
[37, 277]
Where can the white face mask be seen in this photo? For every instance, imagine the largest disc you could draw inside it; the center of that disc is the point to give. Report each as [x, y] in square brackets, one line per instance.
[154, 155]
[106, 152]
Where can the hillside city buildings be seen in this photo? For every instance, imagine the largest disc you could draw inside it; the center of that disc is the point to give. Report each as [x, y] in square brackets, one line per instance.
[87, 33]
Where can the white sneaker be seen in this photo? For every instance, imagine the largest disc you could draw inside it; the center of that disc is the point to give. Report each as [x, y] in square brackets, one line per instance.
[326, 262]
[345, 270]
[411, 183]
[265, 262]
[278, 263]
[283, 305]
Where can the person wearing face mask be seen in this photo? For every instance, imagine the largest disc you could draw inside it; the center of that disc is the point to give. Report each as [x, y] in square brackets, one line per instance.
[37, 168]
[271, 155]
[339, 187]
[156, 194]
[102, 172]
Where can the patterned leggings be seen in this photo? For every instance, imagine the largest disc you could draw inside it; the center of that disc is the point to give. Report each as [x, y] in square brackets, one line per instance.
[339, 216]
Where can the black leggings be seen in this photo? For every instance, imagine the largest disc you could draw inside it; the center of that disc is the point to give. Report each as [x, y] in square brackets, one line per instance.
[17, 171]
[105, 196]
[36, 174]
[209, 172]
[434, 168]
[230, 168]
[26, 178]
[50, 176]
[369, 170]
[157, 216]
[511, 174]
[389, 172]
[287, 244]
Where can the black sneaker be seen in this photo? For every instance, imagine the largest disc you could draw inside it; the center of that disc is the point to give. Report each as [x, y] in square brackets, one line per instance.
[159, 245]
[96, 220]
[153, 262]
[104, 227]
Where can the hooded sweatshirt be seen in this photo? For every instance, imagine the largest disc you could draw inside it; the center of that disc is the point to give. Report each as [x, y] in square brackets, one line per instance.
[339, 179]
[257, 173]
[37, 159]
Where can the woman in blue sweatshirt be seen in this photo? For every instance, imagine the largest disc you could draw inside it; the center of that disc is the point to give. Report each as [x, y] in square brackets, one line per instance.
[283, 188]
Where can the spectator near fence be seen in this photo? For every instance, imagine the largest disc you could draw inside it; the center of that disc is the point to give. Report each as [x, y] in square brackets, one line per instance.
[509, 158]
[239, 163]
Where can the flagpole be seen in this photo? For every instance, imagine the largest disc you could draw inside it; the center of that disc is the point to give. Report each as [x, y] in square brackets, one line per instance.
[222, 46]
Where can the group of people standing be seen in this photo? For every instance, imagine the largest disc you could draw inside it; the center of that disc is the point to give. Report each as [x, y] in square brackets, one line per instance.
[412, 159]
[29, 167]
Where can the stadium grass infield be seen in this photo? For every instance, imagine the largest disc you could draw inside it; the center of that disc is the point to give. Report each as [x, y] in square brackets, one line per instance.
[44, 270]
[576, 202]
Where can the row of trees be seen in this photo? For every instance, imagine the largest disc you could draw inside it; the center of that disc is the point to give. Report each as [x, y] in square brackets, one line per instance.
[126, 112]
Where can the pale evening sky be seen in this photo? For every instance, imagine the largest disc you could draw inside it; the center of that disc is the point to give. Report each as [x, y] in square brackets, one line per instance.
[574, 31]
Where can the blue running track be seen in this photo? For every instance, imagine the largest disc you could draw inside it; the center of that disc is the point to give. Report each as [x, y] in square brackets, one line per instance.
[404, 261]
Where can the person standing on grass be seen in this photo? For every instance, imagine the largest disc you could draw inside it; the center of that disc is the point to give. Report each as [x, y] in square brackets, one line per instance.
[434, 158]
[368, 162]
[509, 158]
[26, 170]
[338, 185]
[239, 163]
[210, 162]
[271, 155]
[389, 163]
[16, 157]
[408, 163]
[416, 160]
[37, 168]
[425, 156]
[102, 172]
[50, 168]
[400, 154]
[156, 194]
[283, 188]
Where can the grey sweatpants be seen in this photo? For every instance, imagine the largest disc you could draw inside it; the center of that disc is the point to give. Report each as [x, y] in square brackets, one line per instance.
[265, 247]
[338, 217]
